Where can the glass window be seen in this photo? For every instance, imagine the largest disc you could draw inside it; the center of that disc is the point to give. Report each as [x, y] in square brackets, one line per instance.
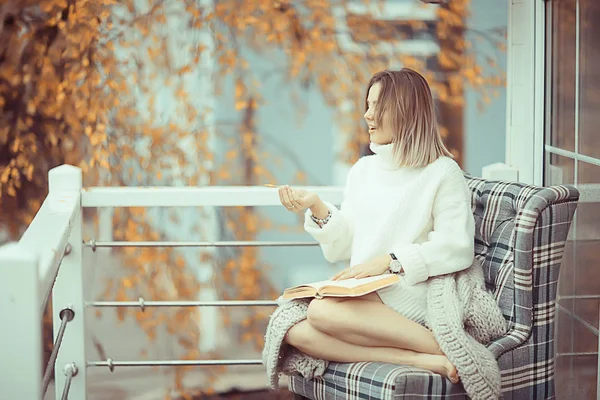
[589, 78]
[573, 156]
[559, 170]
[562, 77]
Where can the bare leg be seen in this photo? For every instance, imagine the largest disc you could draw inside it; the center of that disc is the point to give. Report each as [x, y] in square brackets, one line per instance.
[366, 321]
[311, 341]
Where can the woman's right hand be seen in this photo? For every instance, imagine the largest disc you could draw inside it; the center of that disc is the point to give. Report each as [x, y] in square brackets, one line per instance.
[297, 200]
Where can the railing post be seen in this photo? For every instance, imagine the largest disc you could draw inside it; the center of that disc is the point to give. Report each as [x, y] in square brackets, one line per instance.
[21, 337]
[68, 290]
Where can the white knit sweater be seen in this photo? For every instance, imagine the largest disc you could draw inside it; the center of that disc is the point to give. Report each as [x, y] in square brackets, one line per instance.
[422, 215]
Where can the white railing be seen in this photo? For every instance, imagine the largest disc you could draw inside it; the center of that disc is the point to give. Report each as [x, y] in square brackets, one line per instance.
[29, 270]
[48, 260]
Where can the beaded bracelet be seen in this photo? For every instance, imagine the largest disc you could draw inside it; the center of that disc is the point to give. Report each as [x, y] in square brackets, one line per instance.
[320, 221]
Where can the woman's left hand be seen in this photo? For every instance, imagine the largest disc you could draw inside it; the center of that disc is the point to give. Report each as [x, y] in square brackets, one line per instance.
[376, 266]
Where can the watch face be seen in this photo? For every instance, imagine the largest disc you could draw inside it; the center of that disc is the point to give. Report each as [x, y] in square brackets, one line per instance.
[395, 266]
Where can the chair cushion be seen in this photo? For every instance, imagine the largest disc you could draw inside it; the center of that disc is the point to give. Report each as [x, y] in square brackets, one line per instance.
[370, 380]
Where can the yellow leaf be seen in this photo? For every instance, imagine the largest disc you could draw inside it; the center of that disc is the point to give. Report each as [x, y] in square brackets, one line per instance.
[31, 108]
[151, 334]
[29, 172]
[247, 336]
[95, 139]
[184, 70]
[239, 89]
[186, 343]
[224, 174]
[5, 175]
[301, 177]
[121, 313]
[15, 145]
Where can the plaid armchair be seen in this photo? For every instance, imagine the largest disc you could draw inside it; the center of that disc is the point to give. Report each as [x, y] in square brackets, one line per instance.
[520, 236]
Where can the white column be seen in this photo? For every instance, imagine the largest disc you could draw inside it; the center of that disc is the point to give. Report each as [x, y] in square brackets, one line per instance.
[524, 94]
[209, 320]
[68, 290]
[105, 225]
[21, 333]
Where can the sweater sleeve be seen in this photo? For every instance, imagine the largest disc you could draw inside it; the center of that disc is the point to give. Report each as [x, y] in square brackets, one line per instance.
[335, 237]
[450, 245]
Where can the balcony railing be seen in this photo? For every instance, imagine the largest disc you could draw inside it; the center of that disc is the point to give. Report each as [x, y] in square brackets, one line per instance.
[48, 261]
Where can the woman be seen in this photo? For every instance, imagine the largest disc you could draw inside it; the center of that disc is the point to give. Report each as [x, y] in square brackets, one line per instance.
[407, 211]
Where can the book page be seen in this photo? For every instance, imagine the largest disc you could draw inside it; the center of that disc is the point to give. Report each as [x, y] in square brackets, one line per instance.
[315, 285]
[347, 283]
[353, 282]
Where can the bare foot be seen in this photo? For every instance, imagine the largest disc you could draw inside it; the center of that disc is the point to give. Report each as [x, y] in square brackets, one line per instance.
[440, 365]
[451, 371]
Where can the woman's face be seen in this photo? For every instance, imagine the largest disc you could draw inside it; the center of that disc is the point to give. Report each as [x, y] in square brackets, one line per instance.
[378, 134]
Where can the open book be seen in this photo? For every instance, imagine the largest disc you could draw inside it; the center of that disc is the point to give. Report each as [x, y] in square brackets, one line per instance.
[345, 288]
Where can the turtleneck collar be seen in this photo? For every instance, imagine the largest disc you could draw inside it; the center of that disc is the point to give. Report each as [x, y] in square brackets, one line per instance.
[384, 154]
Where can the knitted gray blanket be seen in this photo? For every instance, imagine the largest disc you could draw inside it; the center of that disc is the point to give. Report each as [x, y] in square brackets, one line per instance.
[462, 314]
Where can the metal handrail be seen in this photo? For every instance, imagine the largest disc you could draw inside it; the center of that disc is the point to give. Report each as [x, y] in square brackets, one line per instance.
[191, 303]
[589, 326]
[70, 371]
[169, 363]
[94, 244]
[166, 363]
[578, 297]
[577, 353]
[66, 316]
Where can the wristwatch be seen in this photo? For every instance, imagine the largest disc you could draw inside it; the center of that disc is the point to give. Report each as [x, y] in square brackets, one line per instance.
[395, 265]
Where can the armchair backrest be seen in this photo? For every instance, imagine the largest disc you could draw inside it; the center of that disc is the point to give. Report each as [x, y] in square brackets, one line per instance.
[520, 233]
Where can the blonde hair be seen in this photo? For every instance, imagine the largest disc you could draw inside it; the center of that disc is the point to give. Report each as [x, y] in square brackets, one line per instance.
[406, 102]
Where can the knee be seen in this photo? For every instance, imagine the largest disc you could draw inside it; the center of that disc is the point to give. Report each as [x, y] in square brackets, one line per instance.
[298, 335]
[322, 314]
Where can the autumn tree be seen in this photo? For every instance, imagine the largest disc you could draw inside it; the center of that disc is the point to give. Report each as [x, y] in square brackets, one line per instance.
[87, 83]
